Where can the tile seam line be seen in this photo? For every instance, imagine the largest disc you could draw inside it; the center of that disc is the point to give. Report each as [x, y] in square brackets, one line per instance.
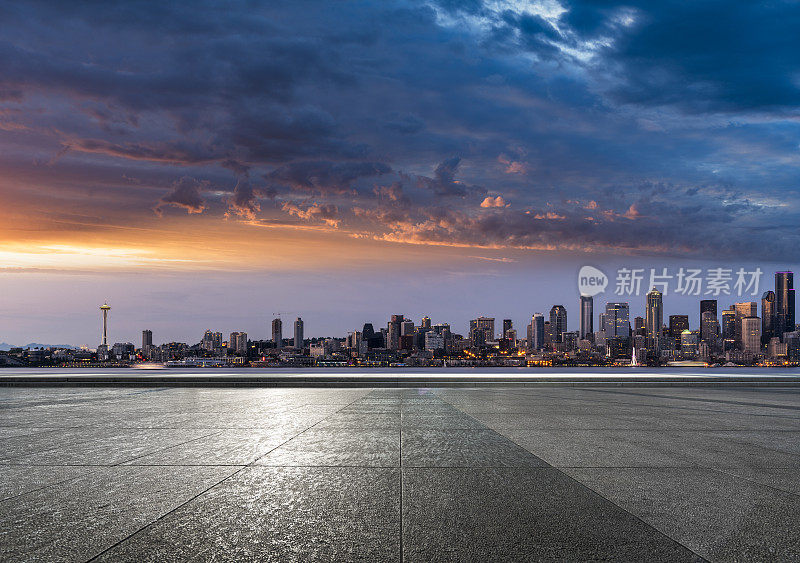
[61, 482]
[734, 476]
[670, 407]
[181, 505]
[127, 461]
[634, 516]
[400, 432]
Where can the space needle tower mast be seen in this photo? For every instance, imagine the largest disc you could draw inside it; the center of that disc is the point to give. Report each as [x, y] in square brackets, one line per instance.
[105, 308]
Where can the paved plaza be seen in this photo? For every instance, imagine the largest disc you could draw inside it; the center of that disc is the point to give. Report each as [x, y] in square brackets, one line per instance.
[450, 474]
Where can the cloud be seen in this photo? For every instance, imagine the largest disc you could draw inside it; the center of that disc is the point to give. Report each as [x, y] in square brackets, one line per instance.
[324, 213]
[185, 193]
[701, 56]
[325, 177]
[627, 126]
[444, 183]
[512, 166]
[490, 201]
[243, 202]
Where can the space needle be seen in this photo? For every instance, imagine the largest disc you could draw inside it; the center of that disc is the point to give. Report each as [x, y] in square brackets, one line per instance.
[105, 308]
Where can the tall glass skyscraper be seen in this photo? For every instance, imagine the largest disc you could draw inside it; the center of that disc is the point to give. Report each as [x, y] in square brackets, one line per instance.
[587, 317]
[558, 323]
[768, 316]
[654, 314]
[784, 302]
[617, 320]
[536, 332]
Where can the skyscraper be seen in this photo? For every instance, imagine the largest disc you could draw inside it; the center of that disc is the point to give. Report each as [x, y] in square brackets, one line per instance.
[587, 317]
[393, 333]
[558, 324]
[536, 332]
[638, 326]
[369, 336]
[707, 305]
[768, 319]
[147, 339]
[784, 303]
[507, 325]
[729, 324]
[742, 310]
[481, 330]
[426, 322]
[709, 327]
[617, 320]
[751, 334]
[277, 332]
[654, 315]
[298, 333]
[677, 324]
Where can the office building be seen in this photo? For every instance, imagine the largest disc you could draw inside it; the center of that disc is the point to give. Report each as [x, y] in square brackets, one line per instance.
[742, 310]
[751, 334]
[706, 306]
[638, 327]
[371, 338]
[298, 333]
[507, 325]
[123, 351]
[688, 342]
[616, 321]
[709, 327]
[277, 332]
[654, 316]
[434, 341]
[729, 324]
[147, 339]
[677, 324]
[768, 317]
[536, 332]
[558, 324]
[784, 303]
[482, 330]
[587, 317]
[394, 331]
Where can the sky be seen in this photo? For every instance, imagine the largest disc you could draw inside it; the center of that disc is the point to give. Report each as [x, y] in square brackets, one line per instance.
[207, 165]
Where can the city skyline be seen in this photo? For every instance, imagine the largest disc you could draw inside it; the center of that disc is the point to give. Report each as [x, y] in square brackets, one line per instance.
[615, 316]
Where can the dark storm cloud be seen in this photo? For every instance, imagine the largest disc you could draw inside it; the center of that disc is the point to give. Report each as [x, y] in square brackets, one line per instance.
[185, 193]
[325, 177]
[700, 56]
[443, 182]
[590, 124]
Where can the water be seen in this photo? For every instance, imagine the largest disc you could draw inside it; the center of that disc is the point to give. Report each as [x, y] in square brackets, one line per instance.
[417, 374]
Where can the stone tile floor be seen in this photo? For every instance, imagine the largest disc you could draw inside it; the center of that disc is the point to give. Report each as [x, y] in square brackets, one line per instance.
[451, 474]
